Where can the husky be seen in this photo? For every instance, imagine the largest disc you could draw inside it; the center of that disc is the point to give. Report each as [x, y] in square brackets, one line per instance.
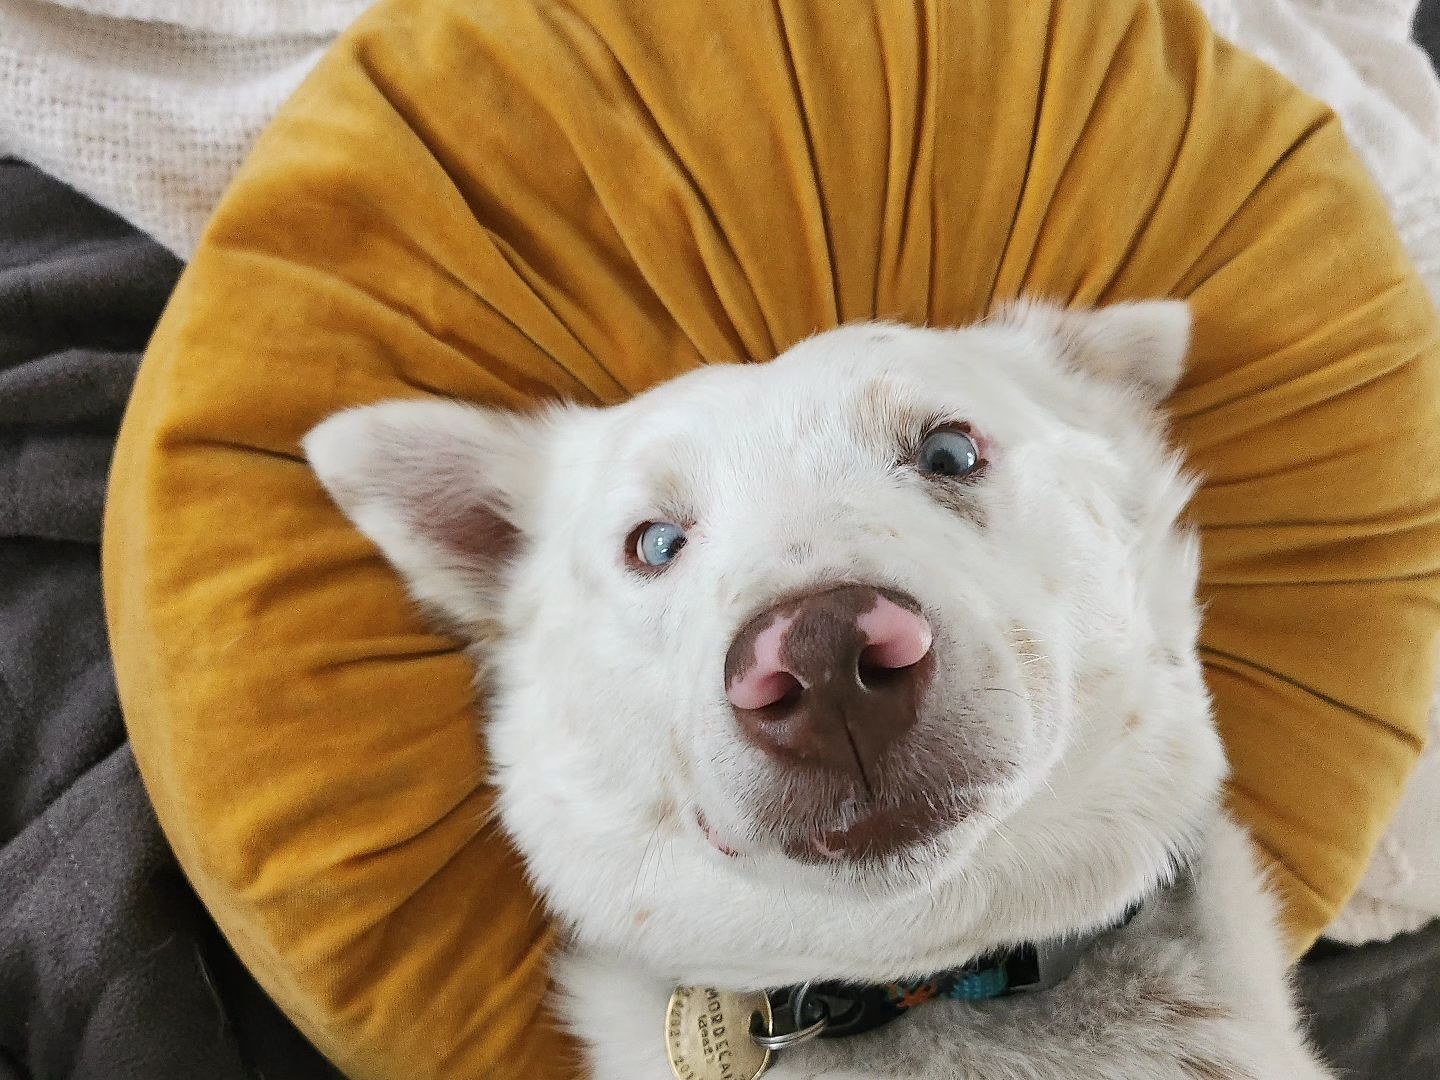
[847, 710]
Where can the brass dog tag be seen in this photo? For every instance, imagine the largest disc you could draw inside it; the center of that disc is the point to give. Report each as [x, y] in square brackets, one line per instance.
[707, 1034]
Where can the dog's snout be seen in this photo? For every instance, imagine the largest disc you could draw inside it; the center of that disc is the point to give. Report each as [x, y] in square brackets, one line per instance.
[831, 679]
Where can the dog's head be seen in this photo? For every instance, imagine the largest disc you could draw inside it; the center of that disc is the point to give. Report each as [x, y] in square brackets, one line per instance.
[846, 665]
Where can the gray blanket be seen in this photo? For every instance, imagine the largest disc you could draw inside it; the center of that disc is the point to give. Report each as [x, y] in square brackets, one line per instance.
[1427, 28]
[109, 967]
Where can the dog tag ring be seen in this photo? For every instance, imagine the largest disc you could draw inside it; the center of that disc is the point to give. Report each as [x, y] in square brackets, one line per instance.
[707, 1034]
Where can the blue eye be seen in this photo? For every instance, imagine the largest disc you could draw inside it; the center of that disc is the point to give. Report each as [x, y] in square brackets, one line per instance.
[949, 452]
[658, 542]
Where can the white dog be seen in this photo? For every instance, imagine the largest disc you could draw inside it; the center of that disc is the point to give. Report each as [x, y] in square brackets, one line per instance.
[856, 695]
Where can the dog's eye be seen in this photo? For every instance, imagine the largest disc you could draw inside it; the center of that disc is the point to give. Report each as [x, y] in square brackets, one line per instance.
[949, 451]
[656, 543]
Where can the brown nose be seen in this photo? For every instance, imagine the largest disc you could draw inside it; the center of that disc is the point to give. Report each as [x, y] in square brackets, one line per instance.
[831, 679]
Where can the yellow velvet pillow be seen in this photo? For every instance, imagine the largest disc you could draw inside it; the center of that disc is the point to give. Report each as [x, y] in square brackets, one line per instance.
[514, 199]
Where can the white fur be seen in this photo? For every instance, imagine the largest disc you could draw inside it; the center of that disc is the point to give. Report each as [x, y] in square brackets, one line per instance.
[1061, 591]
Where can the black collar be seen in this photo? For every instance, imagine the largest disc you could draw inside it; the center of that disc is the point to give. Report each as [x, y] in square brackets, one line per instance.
[850, 1009]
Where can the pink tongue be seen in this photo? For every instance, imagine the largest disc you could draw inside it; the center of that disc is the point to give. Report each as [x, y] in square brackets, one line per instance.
[715, 842]
[818, 842]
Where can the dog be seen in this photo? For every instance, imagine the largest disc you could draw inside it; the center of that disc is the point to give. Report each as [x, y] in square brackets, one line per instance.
[847, 709]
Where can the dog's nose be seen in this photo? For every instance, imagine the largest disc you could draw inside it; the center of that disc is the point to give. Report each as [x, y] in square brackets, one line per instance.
[831, 679]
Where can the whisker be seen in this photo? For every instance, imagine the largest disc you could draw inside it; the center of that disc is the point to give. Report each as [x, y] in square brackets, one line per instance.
[645, 858]
[1002, 690]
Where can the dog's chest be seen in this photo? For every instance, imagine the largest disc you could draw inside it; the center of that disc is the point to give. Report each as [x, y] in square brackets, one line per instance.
[1138, 1007]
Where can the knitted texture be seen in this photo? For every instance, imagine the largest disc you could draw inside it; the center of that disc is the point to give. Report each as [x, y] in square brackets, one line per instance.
[239, 18]
[149, 106]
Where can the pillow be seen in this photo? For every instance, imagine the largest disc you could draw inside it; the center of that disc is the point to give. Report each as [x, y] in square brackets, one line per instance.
[519, 199]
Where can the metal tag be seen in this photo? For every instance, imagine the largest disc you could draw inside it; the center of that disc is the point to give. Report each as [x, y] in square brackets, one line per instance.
[707, 1034]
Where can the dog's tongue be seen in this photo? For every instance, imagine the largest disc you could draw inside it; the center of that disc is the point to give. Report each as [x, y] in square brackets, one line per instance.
[818, 843]
[879, 833]
[715, 841]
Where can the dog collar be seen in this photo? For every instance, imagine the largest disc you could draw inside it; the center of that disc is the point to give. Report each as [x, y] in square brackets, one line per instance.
[713, 1034]
[831, 1010]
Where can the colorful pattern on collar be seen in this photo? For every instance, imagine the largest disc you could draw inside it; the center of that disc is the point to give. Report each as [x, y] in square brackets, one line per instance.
[959, 985]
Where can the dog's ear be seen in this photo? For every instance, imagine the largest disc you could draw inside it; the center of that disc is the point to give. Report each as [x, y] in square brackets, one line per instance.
[1141, 344]
[440, 488]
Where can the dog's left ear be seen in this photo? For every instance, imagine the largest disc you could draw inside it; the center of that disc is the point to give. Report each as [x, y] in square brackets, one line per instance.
[1141, 344]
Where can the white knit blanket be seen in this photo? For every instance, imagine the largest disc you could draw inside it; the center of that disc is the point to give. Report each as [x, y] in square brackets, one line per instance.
[148, 107]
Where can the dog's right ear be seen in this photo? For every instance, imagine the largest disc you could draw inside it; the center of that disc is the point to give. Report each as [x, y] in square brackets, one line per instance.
[440, 488]
[1140, 344]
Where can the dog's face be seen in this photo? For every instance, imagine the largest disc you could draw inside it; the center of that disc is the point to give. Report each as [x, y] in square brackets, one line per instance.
[846, 665]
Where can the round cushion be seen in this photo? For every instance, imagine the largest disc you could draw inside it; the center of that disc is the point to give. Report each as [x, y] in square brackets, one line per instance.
[517, 199]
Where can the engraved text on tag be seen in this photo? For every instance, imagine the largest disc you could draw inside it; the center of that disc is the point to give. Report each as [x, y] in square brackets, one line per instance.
[707, 1034]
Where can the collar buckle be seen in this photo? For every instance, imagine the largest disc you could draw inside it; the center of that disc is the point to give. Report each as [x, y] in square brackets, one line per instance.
[1035, 968]
[1046, 965]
